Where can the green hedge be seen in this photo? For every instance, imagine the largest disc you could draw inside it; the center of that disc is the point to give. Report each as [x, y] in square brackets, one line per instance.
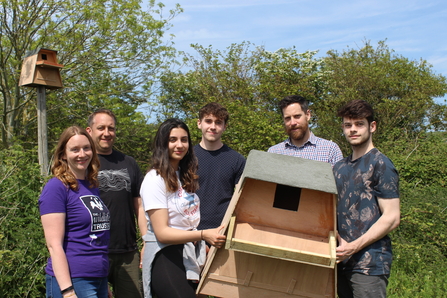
[420, 251]
[23, 252]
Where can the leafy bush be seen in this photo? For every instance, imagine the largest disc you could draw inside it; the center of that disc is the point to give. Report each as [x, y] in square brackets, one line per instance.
[420, 242]
[420, 250]
[421, 162]
[22, 246]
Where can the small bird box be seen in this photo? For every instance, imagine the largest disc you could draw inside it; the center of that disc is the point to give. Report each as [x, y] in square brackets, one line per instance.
[281, 225]
[40, 68]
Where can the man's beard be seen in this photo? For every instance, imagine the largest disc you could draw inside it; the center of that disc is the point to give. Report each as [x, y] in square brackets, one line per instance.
[297, 134]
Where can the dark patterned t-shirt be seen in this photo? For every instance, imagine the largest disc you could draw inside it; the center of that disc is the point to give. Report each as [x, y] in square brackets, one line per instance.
[359, 183]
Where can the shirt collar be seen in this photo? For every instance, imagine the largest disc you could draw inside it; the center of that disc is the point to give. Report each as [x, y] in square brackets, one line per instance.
[312, 140]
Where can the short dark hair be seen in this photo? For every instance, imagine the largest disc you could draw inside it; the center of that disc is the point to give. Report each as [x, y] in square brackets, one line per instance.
[215, 109]
[291, 99]
[100, 111]
[357, 109]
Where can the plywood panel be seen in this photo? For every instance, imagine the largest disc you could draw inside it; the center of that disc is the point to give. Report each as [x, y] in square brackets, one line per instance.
[27, 74]
[315, 215]
[280, 244]
[48, 77]
[227, 277]
[283, 238]
[262, 240]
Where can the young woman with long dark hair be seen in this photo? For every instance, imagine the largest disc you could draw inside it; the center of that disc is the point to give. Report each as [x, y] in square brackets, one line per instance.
[174, 249]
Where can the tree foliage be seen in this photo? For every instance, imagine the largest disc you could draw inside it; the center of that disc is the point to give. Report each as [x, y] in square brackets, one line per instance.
[401, 91]
[420, 161]
[248, 81]
[112, 52]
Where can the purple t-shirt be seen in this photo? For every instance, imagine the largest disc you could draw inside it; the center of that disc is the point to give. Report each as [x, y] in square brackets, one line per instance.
[87, 227]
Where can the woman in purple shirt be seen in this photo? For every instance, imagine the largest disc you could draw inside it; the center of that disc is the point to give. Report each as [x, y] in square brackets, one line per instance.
[75, 221]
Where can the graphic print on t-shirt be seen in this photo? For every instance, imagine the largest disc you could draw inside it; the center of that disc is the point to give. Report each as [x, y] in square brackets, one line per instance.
[114, 180]
[99, 213]
[187, 204]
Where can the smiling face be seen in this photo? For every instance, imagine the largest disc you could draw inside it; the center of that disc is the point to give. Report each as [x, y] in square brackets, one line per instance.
[296, 123]
[358, 132]
[78, 154]
[102, 132]
[211, 127]
[178, 146]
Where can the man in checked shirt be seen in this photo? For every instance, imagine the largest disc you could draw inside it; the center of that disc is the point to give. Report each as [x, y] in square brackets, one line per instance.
[302, 142]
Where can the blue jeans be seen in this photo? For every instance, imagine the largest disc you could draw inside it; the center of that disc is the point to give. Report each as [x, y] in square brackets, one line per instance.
[85, 287]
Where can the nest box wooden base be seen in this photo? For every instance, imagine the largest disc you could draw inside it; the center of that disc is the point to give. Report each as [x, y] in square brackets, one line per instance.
[276, 249]
[236, 274]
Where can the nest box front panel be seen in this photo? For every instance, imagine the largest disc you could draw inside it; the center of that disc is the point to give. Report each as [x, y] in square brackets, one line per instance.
[314, 213]
[47, 77]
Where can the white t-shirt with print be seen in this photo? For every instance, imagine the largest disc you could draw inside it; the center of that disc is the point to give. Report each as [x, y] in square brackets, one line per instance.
[183, 208]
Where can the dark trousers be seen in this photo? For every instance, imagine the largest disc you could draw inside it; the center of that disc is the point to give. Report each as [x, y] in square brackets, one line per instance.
[168, 277]
[358, 285]
[124, 274]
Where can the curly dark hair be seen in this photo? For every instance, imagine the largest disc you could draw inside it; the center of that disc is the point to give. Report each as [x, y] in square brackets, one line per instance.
[357, 109]
[215, 109]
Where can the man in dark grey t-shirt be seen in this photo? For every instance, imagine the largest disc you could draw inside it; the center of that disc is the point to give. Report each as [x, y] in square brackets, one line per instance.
[119, 184]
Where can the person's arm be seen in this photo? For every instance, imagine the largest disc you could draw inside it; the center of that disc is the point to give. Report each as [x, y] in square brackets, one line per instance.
[388, 221]
[141, 221]
[168, 235]
[54, 229]
[140, 215]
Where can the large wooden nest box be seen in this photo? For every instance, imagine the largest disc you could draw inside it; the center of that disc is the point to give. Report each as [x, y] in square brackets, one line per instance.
[281, 225]
[40, 68]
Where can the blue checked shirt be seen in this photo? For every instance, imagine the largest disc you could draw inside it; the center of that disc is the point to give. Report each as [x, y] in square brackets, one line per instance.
[315, 149]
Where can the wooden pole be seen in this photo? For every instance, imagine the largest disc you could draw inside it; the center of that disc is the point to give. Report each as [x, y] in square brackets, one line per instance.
[42, 141]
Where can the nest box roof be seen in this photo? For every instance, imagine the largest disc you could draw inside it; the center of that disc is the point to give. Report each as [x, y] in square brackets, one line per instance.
[289, 170]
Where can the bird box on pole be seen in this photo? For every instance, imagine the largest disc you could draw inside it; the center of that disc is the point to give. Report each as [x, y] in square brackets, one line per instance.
[41, 69]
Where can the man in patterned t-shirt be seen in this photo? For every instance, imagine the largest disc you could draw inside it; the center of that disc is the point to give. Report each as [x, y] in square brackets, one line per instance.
[368, 207]
[220, 167]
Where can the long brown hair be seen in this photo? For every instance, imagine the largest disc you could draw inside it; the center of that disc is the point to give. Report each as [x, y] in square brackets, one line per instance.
[160, 159]
[60, 168]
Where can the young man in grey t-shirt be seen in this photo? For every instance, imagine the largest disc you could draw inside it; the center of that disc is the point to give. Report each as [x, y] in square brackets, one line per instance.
[368, 208]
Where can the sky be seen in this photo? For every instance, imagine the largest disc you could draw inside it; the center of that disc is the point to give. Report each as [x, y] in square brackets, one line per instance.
[414, 29]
